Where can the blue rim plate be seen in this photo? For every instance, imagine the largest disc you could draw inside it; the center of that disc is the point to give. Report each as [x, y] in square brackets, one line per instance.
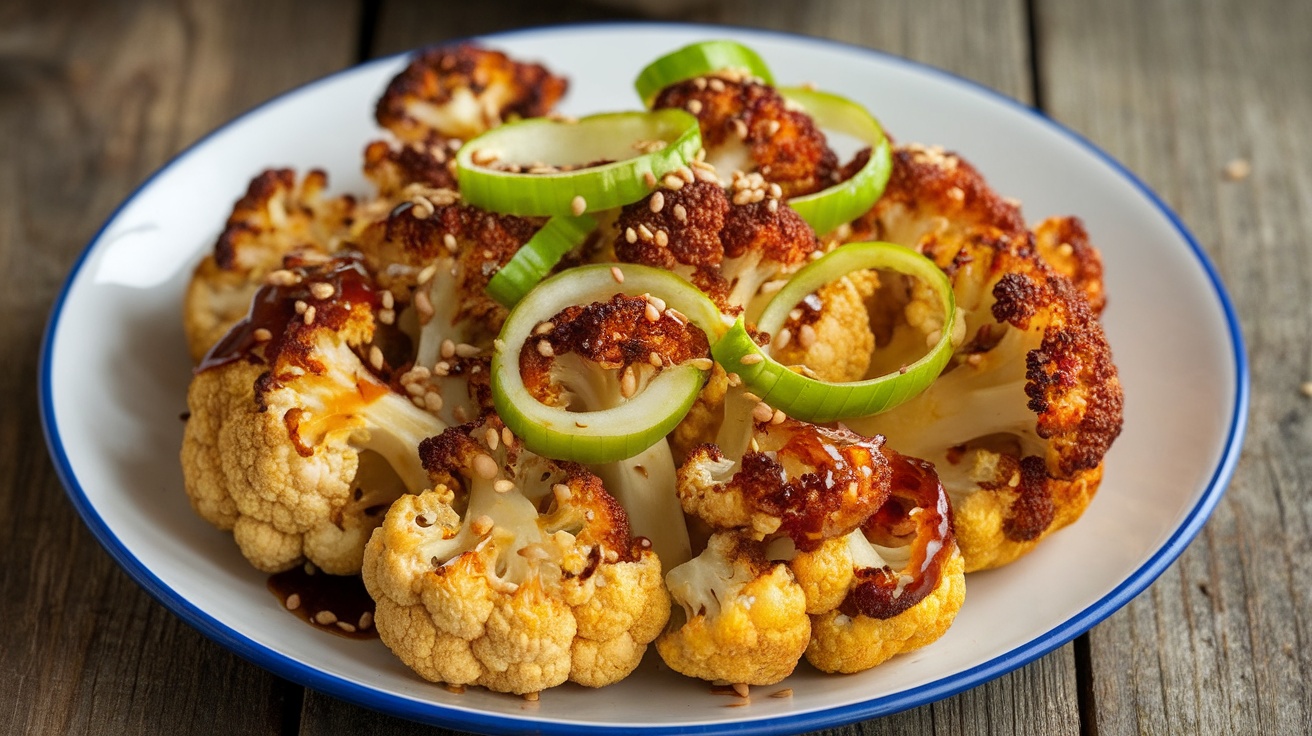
[114, 433]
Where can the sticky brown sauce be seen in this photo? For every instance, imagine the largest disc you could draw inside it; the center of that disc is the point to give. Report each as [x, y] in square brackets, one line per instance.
[338, 604]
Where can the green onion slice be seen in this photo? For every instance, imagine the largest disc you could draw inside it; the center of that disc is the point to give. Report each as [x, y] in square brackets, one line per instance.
[843, 202]
[823, 401]
[535, 259]
[614, 433]
[698, 59]
[638, 145]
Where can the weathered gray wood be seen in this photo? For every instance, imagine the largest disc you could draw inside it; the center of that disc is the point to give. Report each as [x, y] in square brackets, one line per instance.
[94, 96]
[985, 42]
[1222, 643]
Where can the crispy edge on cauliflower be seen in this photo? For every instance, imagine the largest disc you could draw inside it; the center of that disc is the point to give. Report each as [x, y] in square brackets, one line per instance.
[740, 619]
[790, 478]
[395, 166]
[893, 585]
[462, 91]
[748, 126]
[293, 443]
[1064, 244]
[277, 216]
[1019, 424]
[595, 357]
[535, 580]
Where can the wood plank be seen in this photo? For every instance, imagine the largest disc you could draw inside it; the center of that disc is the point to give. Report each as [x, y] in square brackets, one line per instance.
[1222, 643]
[93, 97]
[987, 43]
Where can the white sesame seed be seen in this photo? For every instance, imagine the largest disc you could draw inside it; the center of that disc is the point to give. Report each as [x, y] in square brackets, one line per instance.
[784, 693]
[630, 235]
[282, 277]
[300, 306]
[751, 359]
[741, 689]
[652, 313]
[1238, 169]
[503, 486]
[694, 106]
[262, 335]
[781, 339]
[465, 350]
[734, 379]
[309, 315]
[433, 401]
[762, 412]
[645, 232]
[485, 467]
[662, 239]
[427, 274]
[366, 620]
[617, 274]
[772, 128]
[448, 349]
[673, 182]
[482, 525]
[655, 359]
[702, 364]
[578, 205]
[649, 179]
[655, 301]
[293, 601]
[562, 492]
[772, 206]
[449, 241]
[629, 382]
[657, 202]
[322, 290]
[806, 337]
[376, 357]
[347, 627]
[325, 618]
[545, 349]
[492, 438]
[386, 316]
[778, 417]
[680, 213]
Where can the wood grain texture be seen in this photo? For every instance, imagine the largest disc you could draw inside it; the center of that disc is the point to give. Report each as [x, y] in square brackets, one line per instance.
[93, 97]
[987, 43]
[1221, 643]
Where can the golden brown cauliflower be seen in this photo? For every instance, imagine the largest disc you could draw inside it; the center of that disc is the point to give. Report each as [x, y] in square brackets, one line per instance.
[1020, 421]
[278, 216]
[534, 582]
[741, 618]
[296, 441]
[892, 585]
[462, 91]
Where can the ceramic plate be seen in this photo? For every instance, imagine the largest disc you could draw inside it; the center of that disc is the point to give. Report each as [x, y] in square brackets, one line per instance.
[115, 371]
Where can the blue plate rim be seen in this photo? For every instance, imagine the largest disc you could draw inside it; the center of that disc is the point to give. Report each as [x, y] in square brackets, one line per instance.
[496, 723]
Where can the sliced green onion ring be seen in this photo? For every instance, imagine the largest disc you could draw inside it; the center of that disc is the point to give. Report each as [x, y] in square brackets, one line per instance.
[845, 201]
[695, 60]
[614, 137]
[535, 259]
[618, 432]
[822, 401]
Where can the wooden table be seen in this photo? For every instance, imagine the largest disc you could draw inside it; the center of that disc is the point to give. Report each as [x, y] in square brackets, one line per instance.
[95, 95]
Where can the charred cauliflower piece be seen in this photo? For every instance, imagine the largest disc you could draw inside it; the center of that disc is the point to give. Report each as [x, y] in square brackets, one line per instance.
[462, 91]
[516, 573]
[740, 618]
[596, 357]
[1064, 244]
[278, 216]
[1020, 421]
[890, 586]
[295, 441]
[395, 167]
[748, 126]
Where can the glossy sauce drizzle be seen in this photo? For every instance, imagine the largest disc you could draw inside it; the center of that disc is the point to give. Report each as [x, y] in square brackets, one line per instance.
[338, 604]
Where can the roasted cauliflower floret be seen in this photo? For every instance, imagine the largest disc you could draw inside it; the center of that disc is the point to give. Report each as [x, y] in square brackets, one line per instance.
[462, 91]
[394, 167]
[829, 331]
[278, 216]
[740, 619]
[1020, 421]
[748, 126]
[1064, 244]
[595, 357]
[892, 585]
[296, 443]
[515, 572]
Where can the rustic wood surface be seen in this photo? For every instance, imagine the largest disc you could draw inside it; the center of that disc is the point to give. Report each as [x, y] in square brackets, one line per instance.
[96, 95]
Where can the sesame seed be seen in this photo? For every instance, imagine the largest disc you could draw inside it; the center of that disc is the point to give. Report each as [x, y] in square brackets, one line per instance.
[386, 316]
[424, 306]
[680, 213]
[784, 693]
[448, 348]
[655, 359]
[762, 412]
[957, 193]
[655, 301]
[578, 205]
[309, 315]
[507, 436]
[441, 368]
[702, 364]
[686, 174]
[629, 382]
[482, 525]
[433, 401]
[545, 349]
[776, 191]
[449, 241]
[772, 128]
[282, 277]
[781, 339]
[325, 618]
[262, 335]
[485, 467]
[460, 415]
[717, 85]
[503, 486]
[673, 181]
[649, 179]
[630, 235]
[322, 290]
[751, 359]
[645, 232]
[366, 620]
[740, 128]
[300, 306]
[415, 388]
[694, 106]
[376, 357]
[806, 337]
[465, 350]
[492, 438]
[543, 328]
[652, 313]
[562, 492]
[677, 316]
[662, 239]
[772, 206]
[531, 697]
[484, 156]
[499, 345]
[741, 689]
[427, 274]
[657, 202]
[617, 274]
[778, 417]
[734, 379]
[293, 601]
[700, 83]
[1238, 169]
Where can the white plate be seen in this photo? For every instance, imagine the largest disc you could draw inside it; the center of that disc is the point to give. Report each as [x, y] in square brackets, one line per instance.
[115, 371]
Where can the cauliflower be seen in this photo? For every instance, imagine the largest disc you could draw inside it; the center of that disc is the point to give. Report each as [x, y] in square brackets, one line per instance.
[741, 618]
[892, 585]
[749, 127]
[462, 91]
[829, 332]
[1064, 244]
[594, 357]
[295, 443]
[1020, 421]
[534, 581]
[393, 167]
[278, 216]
